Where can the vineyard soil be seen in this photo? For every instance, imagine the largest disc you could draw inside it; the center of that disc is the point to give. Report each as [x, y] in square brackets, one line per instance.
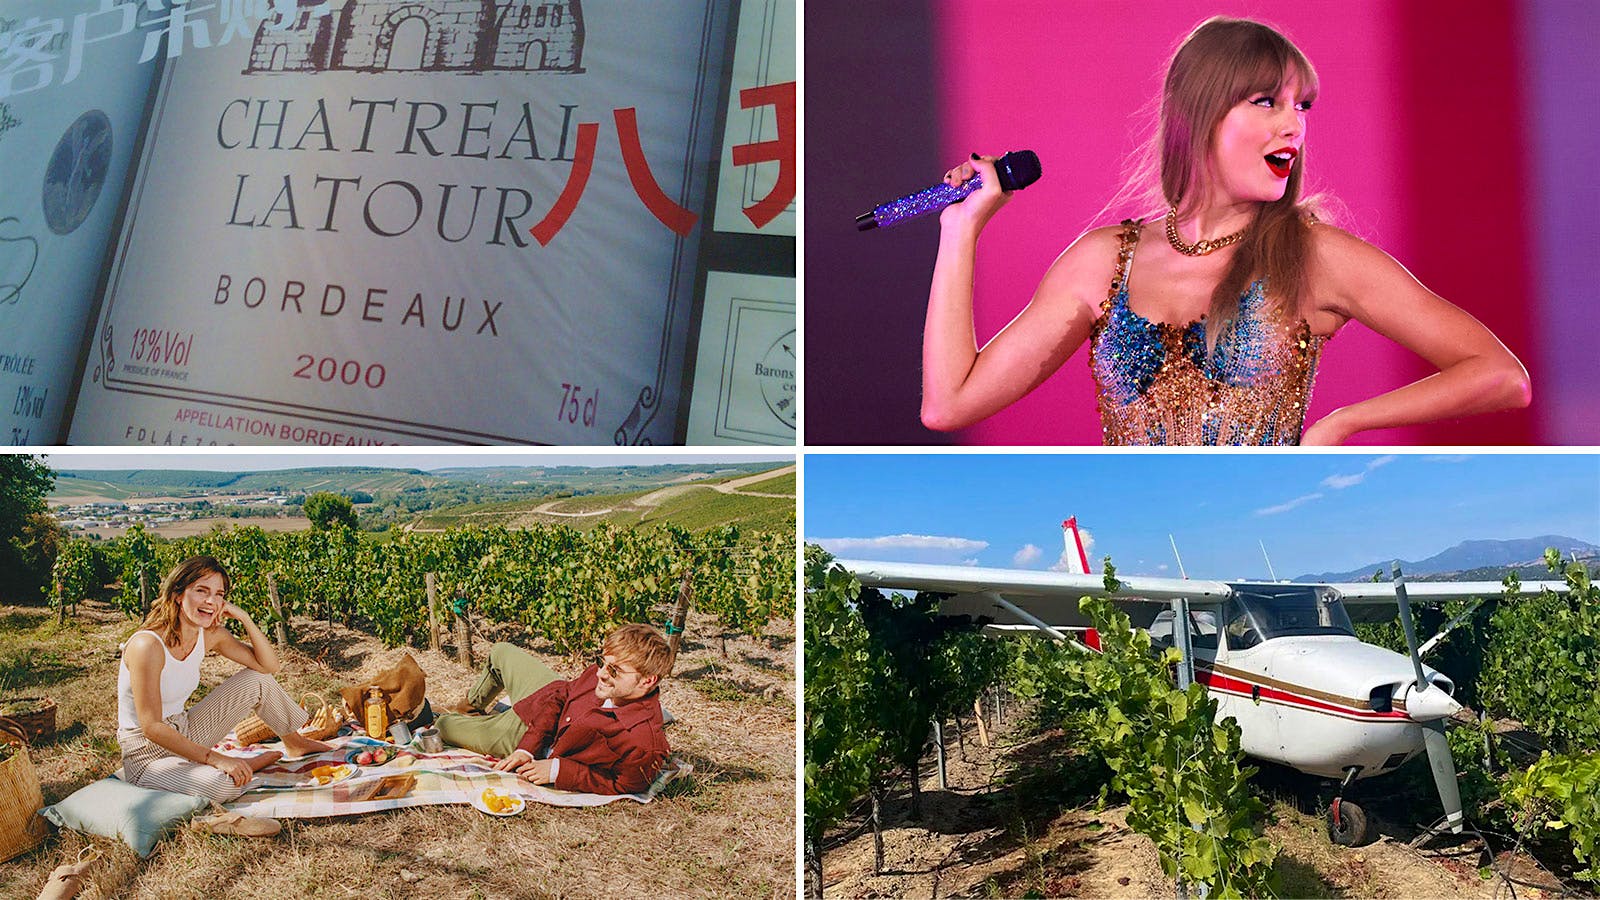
[1020, 820]
[727, 831]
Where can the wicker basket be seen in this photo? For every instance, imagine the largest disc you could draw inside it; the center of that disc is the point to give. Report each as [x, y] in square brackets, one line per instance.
[21, 826]
[325, 721]
[38, 725]
[253, 731]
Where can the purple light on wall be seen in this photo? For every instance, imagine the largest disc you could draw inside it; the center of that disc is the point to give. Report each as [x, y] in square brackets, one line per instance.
[1561, 44]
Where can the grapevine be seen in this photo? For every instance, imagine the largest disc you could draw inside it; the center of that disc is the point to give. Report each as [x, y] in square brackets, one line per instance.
[566, 586]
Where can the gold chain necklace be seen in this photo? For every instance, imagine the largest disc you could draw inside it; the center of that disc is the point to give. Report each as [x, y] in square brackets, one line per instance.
[1200, 248]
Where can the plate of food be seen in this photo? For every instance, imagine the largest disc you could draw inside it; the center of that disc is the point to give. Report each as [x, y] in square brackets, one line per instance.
[322, 776]
[498, 803]
[372, 755]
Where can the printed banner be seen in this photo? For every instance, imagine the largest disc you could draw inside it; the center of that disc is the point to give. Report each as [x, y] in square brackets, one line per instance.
[746, 371]
[756, 178]
[377, 221]
[72, 101]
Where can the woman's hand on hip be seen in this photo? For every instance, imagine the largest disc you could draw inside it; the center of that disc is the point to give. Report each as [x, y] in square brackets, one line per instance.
[1325, 432]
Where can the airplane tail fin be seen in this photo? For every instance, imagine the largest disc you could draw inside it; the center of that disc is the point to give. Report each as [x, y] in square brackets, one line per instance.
[1076, 560]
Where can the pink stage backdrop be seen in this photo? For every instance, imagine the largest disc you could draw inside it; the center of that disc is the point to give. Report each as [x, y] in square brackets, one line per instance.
[1420, 132]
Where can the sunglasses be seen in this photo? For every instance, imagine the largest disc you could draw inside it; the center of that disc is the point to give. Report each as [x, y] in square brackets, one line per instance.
[612, 669]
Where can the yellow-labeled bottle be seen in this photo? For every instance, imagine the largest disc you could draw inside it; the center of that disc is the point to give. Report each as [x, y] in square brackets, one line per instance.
[377, 718]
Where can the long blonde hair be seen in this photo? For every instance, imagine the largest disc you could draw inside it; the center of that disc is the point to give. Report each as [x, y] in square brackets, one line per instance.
[1221, 62]
[165, 618]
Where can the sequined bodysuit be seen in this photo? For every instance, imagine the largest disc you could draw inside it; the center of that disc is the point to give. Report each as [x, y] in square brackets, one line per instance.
[1155, 384]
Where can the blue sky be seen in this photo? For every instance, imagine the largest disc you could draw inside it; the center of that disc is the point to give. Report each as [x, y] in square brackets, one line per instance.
[1314, 512]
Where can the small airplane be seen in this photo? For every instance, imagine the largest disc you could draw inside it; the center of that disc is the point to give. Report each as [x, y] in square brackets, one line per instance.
[1281, 658]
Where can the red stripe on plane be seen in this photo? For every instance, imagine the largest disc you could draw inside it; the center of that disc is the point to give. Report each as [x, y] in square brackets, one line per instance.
[1239, 688]
[1216, 682]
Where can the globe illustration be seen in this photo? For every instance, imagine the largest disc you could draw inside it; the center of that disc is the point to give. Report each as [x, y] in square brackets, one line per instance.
[77, 171]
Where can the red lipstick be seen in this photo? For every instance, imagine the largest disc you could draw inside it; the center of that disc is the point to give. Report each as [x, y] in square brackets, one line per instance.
[1281, 161]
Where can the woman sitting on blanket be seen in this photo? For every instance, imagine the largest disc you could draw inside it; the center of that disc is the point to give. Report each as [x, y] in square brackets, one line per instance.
[167, 747]
[600, 733]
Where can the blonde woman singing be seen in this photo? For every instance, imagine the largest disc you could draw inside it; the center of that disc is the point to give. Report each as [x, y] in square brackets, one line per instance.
[1205, 322]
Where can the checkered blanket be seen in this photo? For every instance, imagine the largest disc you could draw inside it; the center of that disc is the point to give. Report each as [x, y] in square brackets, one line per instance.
[454, 776]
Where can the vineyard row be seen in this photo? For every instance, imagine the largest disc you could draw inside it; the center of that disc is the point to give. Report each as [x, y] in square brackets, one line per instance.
[567, 586]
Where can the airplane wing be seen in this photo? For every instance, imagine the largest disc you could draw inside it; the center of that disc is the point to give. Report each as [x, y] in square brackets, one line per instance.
[1374, 601]
[1051, 596]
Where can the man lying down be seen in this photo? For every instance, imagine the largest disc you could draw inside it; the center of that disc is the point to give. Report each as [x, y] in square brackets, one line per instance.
[599, 733]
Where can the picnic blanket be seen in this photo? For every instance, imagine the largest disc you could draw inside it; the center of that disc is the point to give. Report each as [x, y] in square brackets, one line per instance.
[454, 776]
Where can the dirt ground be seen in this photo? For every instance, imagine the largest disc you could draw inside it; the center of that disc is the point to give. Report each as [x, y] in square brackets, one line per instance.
[1020, 820]
[727, 830]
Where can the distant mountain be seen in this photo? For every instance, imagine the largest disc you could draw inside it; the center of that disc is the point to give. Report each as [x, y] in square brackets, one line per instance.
[1470, 555]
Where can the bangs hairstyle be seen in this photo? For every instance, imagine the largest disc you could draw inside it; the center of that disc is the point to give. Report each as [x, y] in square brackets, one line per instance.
[164, 618]
[641, 646]
[1220, 64]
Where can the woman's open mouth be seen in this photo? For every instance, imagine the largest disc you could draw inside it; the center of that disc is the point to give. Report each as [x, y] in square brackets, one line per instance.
[1281, 162]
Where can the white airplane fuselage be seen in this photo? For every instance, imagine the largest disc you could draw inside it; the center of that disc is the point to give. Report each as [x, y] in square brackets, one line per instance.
[1319, 703]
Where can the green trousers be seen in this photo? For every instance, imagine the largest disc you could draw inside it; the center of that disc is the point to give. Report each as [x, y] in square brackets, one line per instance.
[513, 670]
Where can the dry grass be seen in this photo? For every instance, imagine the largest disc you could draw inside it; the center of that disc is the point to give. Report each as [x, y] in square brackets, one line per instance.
[1020, 820]
[726, 831]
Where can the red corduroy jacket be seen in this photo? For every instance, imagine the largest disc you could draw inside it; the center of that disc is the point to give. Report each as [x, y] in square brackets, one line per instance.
[602, 751]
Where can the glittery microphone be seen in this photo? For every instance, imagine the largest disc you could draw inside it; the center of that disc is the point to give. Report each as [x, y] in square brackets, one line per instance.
[1016, 169]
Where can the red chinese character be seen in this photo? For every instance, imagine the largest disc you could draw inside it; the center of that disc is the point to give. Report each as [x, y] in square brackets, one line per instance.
[780, 151]
[661, 206]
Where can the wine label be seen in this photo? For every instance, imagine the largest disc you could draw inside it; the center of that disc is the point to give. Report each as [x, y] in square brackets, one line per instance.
[746, 372]
[67, 136]
[427, 221]
[758, 197]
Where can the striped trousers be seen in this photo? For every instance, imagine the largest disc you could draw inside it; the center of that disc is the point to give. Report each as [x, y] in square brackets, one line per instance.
[147, 764]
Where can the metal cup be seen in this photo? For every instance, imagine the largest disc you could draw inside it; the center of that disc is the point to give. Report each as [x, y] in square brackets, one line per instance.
[429, 740]
[401, 732]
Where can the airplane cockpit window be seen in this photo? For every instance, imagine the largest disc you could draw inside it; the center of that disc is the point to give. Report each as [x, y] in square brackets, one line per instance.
[1252, 619]
[1202, 629]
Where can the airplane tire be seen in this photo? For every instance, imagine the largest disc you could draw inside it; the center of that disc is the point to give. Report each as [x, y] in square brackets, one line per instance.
[1352, 829]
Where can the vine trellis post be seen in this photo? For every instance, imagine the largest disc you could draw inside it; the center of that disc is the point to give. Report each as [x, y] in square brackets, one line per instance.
[430, 582]
[282, 623]
[679, 614]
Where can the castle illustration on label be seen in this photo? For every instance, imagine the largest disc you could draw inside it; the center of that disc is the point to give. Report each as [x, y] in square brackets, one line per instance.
[427, 36]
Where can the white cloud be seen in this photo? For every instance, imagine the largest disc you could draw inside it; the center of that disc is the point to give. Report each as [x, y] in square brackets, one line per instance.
[1285, 507]
[919, 548]
[1340, 482]
[847, 545]
[1028, 554]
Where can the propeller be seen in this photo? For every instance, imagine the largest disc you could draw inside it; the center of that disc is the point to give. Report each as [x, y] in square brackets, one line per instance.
[1429, 706]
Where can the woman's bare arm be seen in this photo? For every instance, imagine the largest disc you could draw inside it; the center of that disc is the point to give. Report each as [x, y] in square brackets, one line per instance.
[259, 654]
[963, 384]
[145, 658]
[1477, 374]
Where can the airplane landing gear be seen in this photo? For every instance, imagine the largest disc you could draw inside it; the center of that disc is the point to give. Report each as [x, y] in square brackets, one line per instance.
[1347, 822]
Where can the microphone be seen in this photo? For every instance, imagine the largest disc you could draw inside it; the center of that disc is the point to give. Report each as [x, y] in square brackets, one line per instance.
[1016, 169]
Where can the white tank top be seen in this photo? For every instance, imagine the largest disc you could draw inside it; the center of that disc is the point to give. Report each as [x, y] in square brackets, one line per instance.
[179, 678]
